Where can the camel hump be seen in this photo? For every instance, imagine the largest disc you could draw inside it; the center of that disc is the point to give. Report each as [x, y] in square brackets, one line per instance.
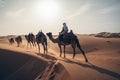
[40, 35]
[69, 35]
[71, 31]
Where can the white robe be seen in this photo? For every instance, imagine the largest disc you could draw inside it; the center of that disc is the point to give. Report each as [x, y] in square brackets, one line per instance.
[64, 30]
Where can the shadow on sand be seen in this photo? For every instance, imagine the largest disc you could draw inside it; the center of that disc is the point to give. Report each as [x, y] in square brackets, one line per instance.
[87, 65]
[46, 56]
[94, 67]
[19, 66]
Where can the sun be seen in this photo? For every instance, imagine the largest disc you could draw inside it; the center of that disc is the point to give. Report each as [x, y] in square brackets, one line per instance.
[47, 9]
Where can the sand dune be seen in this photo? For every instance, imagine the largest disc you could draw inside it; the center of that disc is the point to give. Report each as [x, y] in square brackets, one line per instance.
[22, 63]
[107, 35]
[19, 66]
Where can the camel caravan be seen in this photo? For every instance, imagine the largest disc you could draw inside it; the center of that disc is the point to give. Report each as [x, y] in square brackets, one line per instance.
[64, 38]
[17, 39]
[11, 41]
[30, 39]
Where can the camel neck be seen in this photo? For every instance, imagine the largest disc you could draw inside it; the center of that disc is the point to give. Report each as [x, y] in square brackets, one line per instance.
[53, 40]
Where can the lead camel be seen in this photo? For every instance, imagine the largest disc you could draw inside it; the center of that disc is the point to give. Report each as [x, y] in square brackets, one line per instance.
[68, 39]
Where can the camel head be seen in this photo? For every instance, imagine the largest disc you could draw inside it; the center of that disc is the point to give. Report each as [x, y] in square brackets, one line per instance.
[25, 36]
[49, 34]
[51, 37]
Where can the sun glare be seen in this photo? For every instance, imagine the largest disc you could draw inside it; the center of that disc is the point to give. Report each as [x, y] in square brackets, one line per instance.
[47, 9]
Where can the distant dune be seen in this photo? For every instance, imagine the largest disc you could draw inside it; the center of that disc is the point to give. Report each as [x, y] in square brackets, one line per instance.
[107, 35]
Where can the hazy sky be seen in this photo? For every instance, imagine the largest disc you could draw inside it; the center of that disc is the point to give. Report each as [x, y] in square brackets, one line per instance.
[82, 16]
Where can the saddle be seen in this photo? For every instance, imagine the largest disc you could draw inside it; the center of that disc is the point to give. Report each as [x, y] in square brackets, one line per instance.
[67, 36]
[40, 35]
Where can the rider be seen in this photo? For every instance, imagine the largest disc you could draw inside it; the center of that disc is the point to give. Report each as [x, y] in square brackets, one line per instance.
[64, 31]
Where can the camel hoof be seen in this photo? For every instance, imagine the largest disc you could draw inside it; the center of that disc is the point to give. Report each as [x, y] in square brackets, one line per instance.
[86, 60]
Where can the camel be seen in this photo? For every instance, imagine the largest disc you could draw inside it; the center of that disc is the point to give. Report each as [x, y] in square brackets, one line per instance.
[68, 38]
[11, 41]
[18, 40]
[41, 38]
[30, 39]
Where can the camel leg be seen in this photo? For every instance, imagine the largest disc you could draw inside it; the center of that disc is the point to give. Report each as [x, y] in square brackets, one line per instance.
[74, 52]
[46, 46]
[43, 47]
[83, 53]
[34, 43]
[64, 51]
[60, 49]
[18, 44]
[30, 45]
[21, 44]
[38, 47]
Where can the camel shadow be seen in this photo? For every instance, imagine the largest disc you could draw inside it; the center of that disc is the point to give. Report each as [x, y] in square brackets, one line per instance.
[94, 67]
[86, 65]
[46, 56]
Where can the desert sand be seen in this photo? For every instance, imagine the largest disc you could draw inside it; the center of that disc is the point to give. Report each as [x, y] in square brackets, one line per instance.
[25, 63]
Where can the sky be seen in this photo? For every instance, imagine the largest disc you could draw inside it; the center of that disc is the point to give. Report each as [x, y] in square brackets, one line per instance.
[19, 17]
